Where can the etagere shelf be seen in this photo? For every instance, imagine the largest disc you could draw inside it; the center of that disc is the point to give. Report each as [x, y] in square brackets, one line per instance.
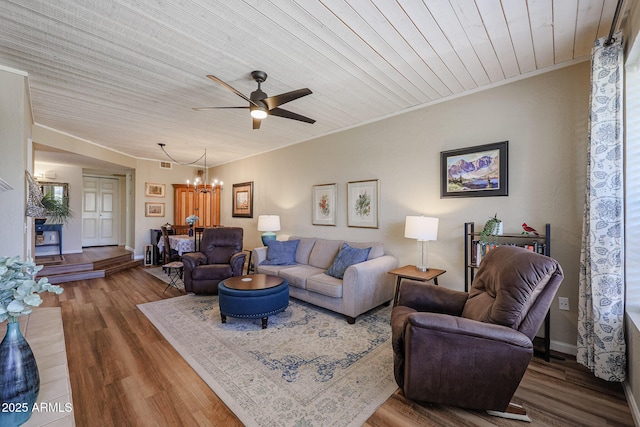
[540, 244]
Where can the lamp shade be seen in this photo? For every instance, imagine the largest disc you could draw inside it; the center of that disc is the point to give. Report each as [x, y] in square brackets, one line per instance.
[421, 228]
[269, 223]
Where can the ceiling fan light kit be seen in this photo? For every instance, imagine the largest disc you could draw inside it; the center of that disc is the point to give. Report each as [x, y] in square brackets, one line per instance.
[260, 105]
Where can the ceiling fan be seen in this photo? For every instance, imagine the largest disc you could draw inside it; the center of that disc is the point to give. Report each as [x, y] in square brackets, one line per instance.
[261, 105]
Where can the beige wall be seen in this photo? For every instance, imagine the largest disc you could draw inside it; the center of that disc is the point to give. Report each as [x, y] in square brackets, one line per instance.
[544, 118]
[14, 145]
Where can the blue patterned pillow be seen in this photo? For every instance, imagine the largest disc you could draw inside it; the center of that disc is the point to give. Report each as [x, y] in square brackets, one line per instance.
[346, 257]
[281, 253]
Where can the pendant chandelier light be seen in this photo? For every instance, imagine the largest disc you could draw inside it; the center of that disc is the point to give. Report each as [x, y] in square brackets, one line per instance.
[199, 183]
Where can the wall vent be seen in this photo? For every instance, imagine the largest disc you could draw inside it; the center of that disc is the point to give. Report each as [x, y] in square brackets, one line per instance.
[166, 165]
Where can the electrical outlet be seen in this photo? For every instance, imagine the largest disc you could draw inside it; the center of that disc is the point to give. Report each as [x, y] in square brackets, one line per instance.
[563, 303]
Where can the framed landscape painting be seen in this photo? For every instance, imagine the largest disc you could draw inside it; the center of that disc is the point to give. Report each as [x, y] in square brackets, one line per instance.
[362, 204]
[154, 209]
[154, 190]
[324, 204]
[478, 171]
[243, 200]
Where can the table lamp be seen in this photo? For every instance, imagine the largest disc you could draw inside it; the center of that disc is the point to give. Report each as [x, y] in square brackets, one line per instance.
[268, 224]
[422, 228]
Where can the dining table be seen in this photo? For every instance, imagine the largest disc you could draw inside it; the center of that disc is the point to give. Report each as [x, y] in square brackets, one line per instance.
[182, 243]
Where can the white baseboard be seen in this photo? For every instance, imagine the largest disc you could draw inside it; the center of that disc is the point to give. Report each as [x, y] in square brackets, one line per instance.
[633, 407]
[564, 347]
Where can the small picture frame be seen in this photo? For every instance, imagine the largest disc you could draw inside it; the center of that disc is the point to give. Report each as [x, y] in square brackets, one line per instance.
[362, 203]
[154, 209]
[479, 171]
[154, 190]
[324, 204]
[242, 200]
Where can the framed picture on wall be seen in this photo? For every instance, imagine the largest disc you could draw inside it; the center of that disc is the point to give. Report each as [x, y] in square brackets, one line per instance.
[243, 200]
[153, 209]
[324, 204]
[478, 171]
[154, 190]
[362, 204]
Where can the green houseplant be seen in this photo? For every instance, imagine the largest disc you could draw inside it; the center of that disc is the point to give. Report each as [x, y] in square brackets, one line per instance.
[19, 377]
[57, 209]
[492, 228]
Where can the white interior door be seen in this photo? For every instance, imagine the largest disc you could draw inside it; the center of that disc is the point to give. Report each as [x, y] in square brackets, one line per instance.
[99, 211]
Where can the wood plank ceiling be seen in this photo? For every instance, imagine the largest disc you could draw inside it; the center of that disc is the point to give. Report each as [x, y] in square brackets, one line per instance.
[125, 74]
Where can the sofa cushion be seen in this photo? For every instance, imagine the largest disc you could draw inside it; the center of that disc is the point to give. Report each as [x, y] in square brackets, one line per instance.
[297, 275]
[273, 270]
[346, 258]
[377, 248]
[323, 253]
[325, 285]
[281, 253]
[304, 248]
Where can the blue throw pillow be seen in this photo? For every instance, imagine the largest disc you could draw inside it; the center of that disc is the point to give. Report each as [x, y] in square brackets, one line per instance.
[281, 253]
[346, 257]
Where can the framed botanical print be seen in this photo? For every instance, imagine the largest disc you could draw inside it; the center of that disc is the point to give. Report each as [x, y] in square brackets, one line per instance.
[154, 190]
[243, 200]
[324, 204]
[478, 171]
[362, 203]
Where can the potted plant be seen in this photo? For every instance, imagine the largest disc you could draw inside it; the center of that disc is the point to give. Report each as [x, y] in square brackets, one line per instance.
[19, 378]
[57, 209]
[493, 227]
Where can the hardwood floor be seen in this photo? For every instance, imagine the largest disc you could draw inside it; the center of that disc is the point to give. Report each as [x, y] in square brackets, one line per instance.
[124, 373]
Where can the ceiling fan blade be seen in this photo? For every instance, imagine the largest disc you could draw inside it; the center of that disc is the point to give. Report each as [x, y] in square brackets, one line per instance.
[237, 92]
[256, 123]
[290, 115]
[214, 108]
[277, 100]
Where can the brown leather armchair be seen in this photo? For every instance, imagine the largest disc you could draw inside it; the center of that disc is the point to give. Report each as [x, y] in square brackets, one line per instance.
[219, 258]
[472, 349]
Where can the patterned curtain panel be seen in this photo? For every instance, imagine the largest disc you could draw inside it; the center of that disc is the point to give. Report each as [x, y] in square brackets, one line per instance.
[601, 345]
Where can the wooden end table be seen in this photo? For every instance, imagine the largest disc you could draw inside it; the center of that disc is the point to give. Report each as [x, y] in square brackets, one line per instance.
[410, 272]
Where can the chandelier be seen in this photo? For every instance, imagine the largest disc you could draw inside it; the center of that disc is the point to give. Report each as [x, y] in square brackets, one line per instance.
[200, 184]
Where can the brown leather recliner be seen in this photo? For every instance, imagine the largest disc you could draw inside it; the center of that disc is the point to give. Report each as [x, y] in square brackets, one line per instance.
[472, 349]
[219, 258]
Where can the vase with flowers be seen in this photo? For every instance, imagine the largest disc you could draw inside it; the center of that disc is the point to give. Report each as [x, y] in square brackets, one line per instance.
[19, 378]
[191, 220]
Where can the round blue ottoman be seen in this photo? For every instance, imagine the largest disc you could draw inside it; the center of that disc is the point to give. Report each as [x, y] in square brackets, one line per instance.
[253, 296]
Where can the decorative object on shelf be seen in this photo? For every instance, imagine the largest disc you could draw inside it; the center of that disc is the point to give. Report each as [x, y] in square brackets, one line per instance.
[493, 227]
[191, 220]
[19, 378]
[362, 204]
[154, 209]
[200, 184]
[53, 203]
[529, 230]
[154, 190]
[324, 204]
[57, 209]
[243, 200]
[268, 224]
[475, 171]
[422, 228]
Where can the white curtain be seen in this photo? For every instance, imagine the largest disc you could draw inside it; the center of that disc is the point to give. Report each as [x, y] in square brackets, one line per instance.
[601, 345]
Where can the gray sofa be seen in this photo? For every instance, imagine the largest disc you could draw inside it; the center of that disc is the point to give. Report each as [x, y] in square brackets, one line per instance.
[364, 286]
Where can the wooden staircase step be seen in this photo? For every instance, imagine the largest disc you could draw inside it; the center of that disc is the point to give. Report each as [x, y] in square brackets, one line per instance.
[52, 270]
[71, 277]
[105, 263]
[122, 266]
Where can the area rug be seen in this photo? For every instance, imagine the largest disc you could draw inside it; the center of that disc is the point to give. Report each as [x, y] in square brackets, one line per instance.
[160, 274]
[308, 368]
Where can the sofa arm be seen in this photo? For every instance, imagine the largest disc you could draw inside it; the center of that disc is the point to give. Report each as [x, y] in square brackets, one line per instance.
[368, 284]
[259, 255]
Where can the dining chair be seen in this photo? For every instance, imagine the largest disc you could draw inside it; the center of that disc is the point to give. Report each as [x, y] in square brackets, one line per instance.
[171, 262]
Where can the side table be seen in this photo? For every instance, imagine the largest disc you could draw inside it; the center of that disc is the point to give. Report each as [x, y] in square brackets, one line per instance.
[410, 272]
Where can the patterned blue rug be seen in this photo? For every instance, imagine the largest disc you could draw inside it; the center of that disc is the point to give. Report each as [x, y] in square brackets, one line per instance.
[308, 368]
